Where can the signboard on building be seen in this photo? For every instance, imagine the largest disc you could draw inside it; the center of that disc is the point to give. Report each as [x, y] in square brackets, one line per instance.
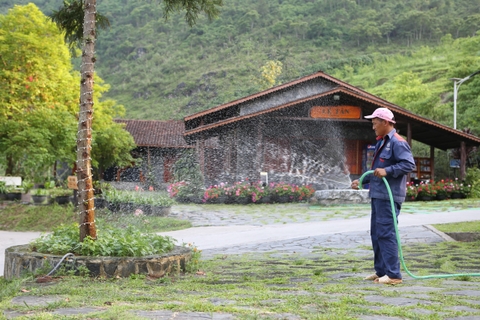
[455, 163]
[336, 112]
[72, 182]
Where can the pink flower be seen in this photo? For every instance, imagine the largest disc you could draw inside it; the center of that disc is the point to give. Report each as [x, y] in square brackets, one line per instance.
[150, 188]
[138, 212]
[137, 188]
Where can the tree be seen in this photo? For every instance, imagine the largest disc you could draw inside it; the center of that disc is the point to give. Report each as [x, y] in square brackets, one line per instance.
[37, 95]
[269, 73]
[111, 143]
[72, 26]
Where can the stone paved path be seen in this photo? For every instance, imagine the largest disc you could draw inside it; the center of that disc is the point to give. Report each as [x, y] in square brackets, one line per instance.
[294, 220]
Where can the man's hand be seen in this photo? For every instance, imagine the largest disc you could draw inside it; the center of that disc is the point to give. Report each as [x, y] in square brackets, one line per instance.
[354, 184]
[380, 173]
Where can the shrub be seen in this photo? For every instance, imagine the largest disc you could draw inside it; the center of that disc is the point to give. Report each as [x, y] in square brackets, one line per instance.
[139, 198]
[412, 191]
[473, 179]
[426, 190]
[114, 242]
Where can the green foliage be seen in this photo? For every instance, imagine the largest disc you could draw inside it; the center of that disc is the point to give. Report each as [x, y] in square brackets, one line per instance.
[472, 178]
[27, 185]
[166, 70]
[139, 197]
[3, 187]
[194, 264]
[38, 101]
[37, 93]
[269, 74]
[20, 217]
[69, 19]
[125, 242]
[187, 172]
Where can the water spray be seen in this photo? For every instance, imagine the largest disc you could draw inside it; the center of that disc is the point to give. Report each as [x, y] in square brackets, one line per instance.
[397, 234]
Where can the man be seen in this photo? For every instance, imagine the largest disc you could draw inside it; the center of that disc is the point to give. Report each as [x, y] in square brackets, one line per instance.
[393, 160]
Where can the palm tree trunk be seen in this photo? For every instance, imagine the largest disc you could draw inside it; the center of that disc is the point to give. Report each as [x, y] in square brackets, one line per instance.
[84, 136]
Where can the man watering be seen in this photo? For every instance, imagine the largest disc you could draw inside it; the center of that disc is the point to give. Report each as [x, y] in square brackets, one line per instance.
[393, 160]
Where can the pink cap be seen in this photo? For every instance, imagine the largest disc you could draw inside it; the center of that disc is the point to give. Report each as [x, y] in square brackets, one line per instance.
[382, 113]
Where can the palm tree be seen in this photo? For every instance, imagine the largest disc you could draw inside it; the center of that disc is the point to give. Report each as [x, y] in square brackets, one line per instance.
[77, 30]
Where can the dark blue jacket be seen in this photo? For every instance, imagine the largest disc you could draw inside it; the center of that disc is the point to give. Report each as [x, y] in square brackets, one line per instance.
[394, 155]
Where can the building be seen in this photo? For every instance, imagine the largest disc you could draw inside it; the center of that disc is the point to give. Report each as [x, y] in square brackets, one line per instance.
[159, 145]
[310, 130]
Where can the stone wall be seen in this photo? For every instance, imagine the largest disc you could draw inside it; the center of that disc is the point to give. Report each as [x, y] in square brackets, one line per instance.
[339, 196]
[20, 260]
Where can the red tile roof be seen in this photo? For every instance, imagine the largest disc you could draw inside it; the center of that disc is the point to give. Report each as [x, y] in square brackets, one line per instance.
[156, 133]
[423, 129]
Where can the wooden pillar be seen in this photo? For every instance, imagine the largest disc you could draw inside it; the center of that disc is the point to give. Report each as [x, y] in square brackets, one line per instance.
[259, 148]
[409, 134]
[148, 156]
[409, 141]
[463, 160]
[201, 154]
[432, 162]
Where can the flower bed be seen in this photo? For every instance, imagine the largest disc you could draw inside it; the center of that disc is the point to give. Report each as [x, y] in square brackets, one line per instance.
[139, 202]
[438, 190]
[245, 192]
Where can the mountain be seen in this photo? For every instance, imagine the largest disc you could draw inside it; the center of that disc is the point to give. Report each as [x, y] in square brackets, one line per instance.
[404, 51]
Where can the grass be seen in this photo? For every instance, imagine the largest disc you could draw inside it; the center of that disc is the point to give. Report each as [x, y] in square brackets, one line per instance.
[267, 286]
[323, 284]
[469, 226]
[19, 217]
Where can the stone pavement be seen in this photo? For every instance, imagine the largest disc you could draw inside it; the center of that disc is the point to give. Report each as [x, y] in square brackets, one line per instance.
[298, 229]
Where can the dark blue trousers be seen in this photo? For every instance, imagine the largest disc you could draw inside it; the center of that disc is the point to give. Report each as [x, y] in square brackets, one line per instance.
[384, 241]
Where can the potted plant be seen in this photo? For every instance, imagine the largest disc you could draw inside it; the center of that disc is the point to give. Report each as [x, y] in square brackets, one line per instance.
[3, 190]
[61, 195]
[214, 194]
[242, 191]
[455, 188]
[27, 185]
[13, 193]
[426, 192]
[441, 189]
[39, 196]
[412, 192]
[283, 192]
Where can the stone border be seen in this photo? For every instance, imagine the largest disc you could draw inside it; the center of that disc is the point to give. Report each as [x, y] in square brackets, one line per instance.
[339, 196]
[465, 236]
[20, 260]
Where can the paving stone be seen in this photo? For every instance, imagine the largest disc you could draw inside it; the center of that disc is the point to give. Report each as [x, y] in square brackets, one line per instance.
[396, 301]
[422, 311]
[74, 311]
[221, 302]
[169, 315]
[36, 300]
[416, 289]
[378, 318]
[467, 292]
[463, 308]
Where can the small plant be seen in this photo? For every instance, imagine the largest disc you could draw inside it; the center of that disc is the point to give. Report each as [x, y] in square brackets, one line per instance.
[193, 265]
[49, 184]
[114, 242]
[40, 192]
[426, 190]
[60, 192]
[3, 187]
[27, 185]
[412, 191]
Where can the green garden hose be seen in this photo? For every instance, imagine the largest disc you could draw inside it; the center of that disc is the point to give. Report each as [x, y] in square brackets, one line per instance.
[400, 252]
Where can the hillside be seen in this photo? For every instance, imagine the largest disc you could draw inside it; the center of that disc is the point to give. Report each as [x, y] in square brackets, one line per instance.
[399, 50]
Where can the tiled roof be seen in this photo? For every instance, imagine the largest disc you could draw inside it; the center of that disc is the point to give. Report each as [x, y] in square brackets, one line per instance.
[423, 129]
[156, 133]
